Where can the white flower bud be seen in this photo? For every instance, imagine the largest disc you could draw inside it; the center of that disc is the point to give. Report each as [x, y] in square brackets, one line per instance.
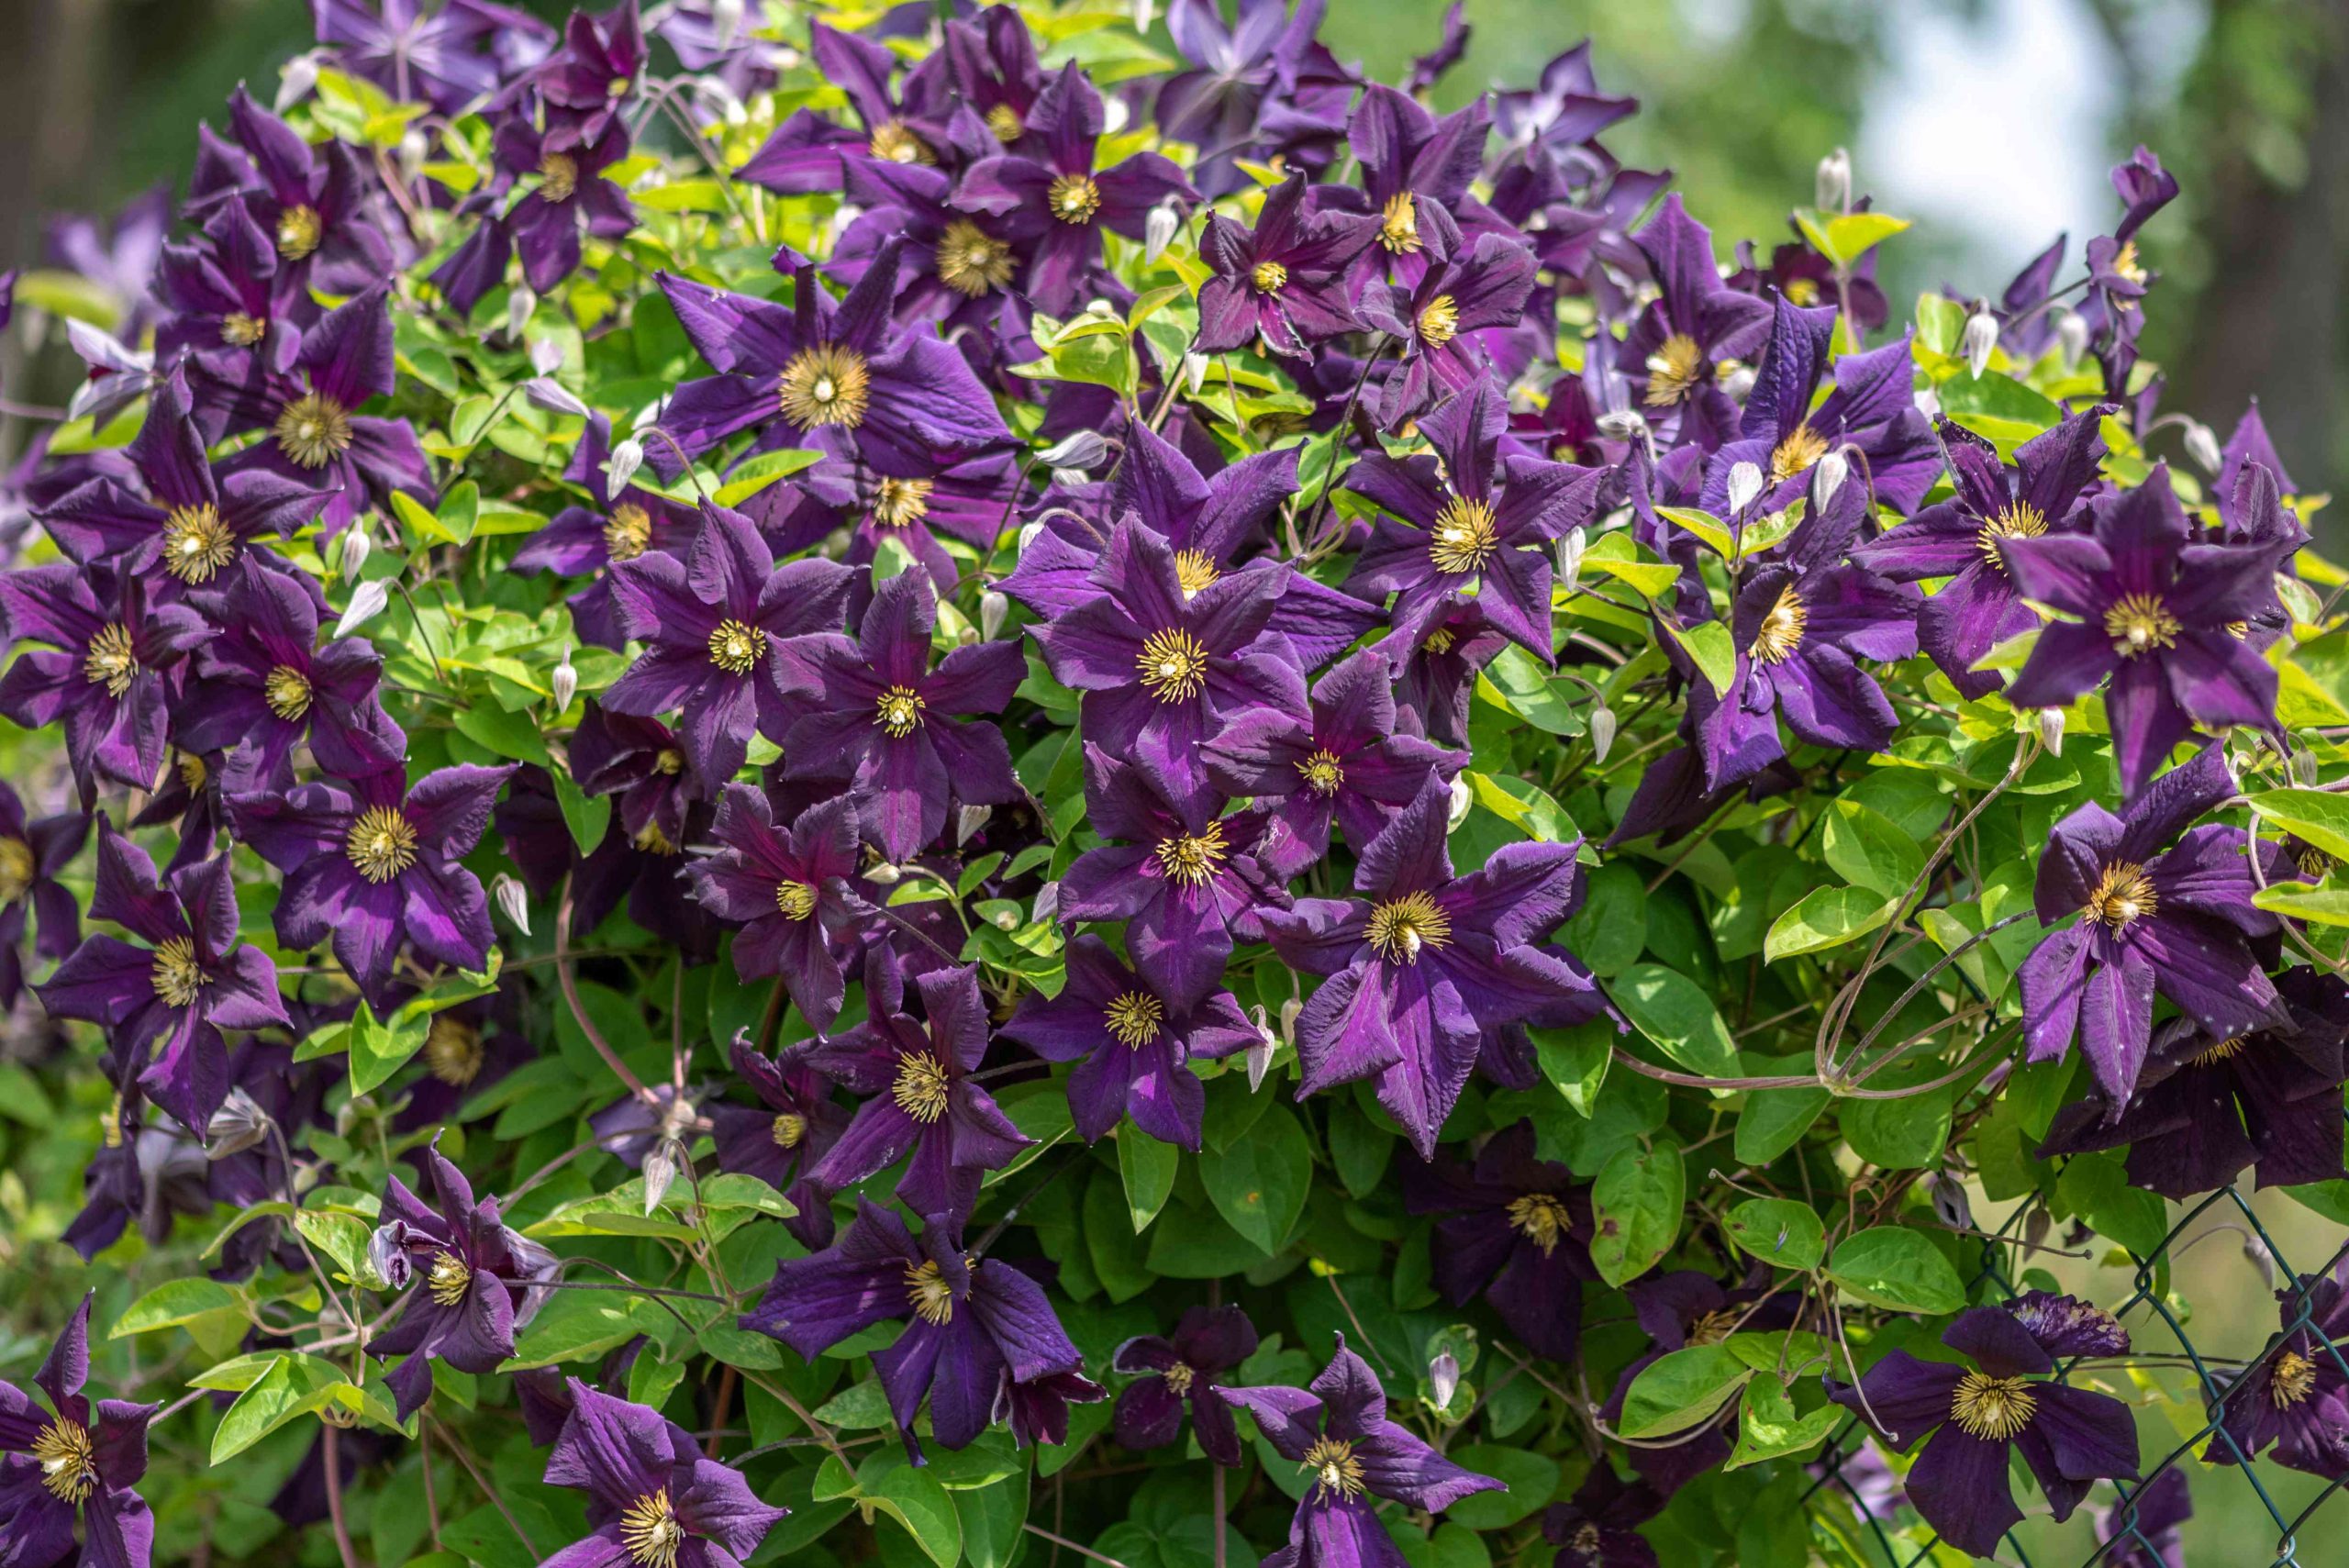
[661, 1168]
[1570, 551]
[1070, 476]
[1950, 1206]
[414, 147]
[520, 306]
[1929, 403]
[1086, 449]
[1114, 116]
[1980, 337]
[1259, 1054]
[367, 602]
[2202, 446]
[1194, 370]
[1826, 476]
[356, 546]
[1290, 1011]
[726, 21]
[969, 819]
[627, 456]
[1027, 532]
[993, 608]
[1832, 186]
[883, 875]
[546, 393]
[2304, 767]
[1739, 384]
[296, 78]
[1744, 485]
[239, 1124]
[1145, 12]
[1102, 309]
[1159, 230]
[514, 899]
[1623, 425]
[2072, 337]
[1443, 1380]
[2255, 1254]
[1463, 797]
[1602, 732]
[563, 683]
[2051, 730]
[1048, 901]
[546, 356]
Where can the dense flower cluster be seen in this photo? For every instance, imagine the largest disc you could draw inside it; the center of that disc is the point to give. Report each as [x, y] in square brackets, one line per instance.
[975, 597]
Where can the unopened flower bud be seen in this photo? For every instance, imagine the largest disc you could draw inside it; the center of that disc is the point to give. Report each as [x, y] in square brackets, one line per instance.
[239, 1124]
[514, 899]
[355, 548]
[1744, 485]
[2051, 730]
[2072, 337]
[1290, 1011]
[1159, 230]
[1602, 732]
[1194, 371]
[1739, 384]
[520, 306]
[1570, 551]
[882, 875]
[1260, 1053]
[1826, 476]
[412, 151]
[627, 456]
[1086, 448]
[2036, 1225]
[1048, 901]
[1114, 116]
[1980, 337]
[661, 1168]
[2202, 446]
[1463, 797]
[1832, 186]
[1145, 12]
[1622, 425]
[1027, 532]
[993, 608]
[969, 819]
[2256, 1254]
[564, 685]
[296, 78]
[1929, 403]
[1443, 1380]
[726, 21]
[545, 392]
[367, 602]
[2304, 767]
[1950, 1206]
[387, 1255]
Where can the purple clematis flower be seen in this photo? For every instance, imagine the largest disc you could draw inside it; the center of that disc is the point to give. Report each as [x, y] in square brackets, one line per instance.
[1055, 205]
[264, 686]
[1423, 964]
[1412, 161]
[874, 716]
[1466, 520]
[1695, 323]
[840, 377]
[1959, 539]
[790, 888]
[1130, 1045]
[981, 1340]
[62, 1462]
[316, 204]
[448, 55]
[1564, 109]
[1972, 1418]
[1182, 882]
[1337, 1429]
[780, 1140]
[1678, 1309]
[2295, 1394]
[221, 291]
[595, 72]
[1165, 659]
[173, 997]
[1170, 1374]
[1263, 85]
[1599, 1529]
[119, 257]
[1516, 1233]
[955, 267]
[572, 195]
[108, 673]
[474, 1281]
[1282, 281]
[377, 863]
[711, 623]
[652, 1499]
[2154, 614]
[33, 853]
[641, 761]
[1347, 764]
[917, 1072]
[1438, 321]
[2153, 916]
[806, 154]
[1435, 671]
[611, 531]
[2142, 1529]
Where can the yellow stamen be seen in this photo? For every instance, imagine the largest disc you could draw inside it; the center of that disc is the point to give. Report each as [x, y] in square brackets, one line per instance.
[1179, 1378]
[1398, 224]
[2020, 520]
[19, 869]
[1192, 861]
[1440, 322]
[287, 692]
[1802, 446]
[1004, 121]
[2225, 1051]
[240, 330]
[313, 430]
[971, 261]
[1173, 665]
[2291, 1380]
[191, 771]
[380, 843]
[899, 502]
[2125, 263]
[789, 1129]
[197, 543]
[1677, 369]
[650, 1532]
[449, 1280]
[111, 662]
[1194, 570]
[1714, 1327]
[1073, 198]
[735, 648]
[1133, 1018]
[899, 711]
[177, 978]
[1781, 630]
[932, 1297]
[1401, 926]
[652, 841]
[828, 385]
[894, 143]
[68, 1461]
[1322, 773]
[1463, 538]
[299, 230]
[795, 900]
[628, 533]
[1539, 1218]
[452, 1052]
[1995, 1408]
[1270, 277]
[2137, 622]
[1334, 1468]
[558, 176]
[920, 1088]
[1802, 291]
[2123, 893]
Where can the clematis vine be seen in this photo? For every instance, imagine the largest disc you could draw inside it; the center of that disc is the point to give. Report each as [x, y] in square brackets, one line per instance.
[1282, 281]
[1182, 1372]
[112, 662]
[1516, 1232]
[653, 1499]
[72, 1461]
[788, 887]
[2296, 1395]
[612, 529]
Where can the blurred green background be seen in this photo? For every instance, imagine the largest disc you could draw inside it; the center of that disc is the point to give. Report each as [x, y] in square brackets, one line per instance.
[1991, 122]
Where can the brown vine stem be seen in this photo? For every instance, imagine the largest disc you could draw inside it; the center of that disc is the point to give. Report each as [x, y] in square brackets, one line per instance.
[334, 1496]
[1064, 1540]
[824, 1434]
[578, 1012]
[490, 1492]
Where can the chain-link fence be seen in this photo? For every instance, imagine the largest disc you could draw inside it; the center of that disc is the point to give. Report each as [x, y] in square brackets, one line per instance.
[2138, 1530]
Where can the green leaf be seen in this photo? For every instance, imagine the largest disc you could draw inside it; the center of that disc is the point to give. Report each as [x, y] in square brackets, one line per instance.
[991, 1517]
[1941, 323]
[1825, 917]
[290, 1386]
[752, 475]
[1773, 1122]
[1707, 644]
[1258, 1182]
[1997, 398]
[1780, 1231]
[1768, 1426]
[514, 735]
[1637, 1200]
[341, 1237]
[586, 817]
[1148, 1168]
[1680, 1388]
[1531, 692]
[2326, 903]
[173, 1303]
[1868, 851]
[1844, 237]
[380, 1048]
[2318, 816]
[1674, 1012]
[918, 1500]
[862, 1406]
[1891, 1265]
[1610, 930]
[1576, 1061]
[1530, 1479]
[573, 1326]
[1708, 528]
[1524, 805]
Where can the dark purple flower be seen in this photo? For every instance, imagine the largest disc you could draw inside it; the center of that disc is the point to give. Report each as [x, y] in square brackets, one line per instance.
[1599, 1529]
[1565, 110]
[597, 70]
[1170, 1373]
[1677, 1309]
[612, 529]
[2152, 917]
[779, 1139]
[1131, 1045]
[108, 670]
[2069, 1437]
[375, 864]
[1467, 521]
[120, 258]
[2295, 1394]
[1337, 1429]
[1262, 87]
[1412, 161]
[572, 195]
[2142, 1528]
[917, 1073]
[1516, 1232]
[1423, 964]
[33, 853]
[1282, 282]
[221, 291]
[710, 623]
[641, 761]
[448, 55]
[810, 154]
[1694, 324]
[63, 1463]
[652, 1499]
[1803, 277]
[2153, 618]
[314, 203]
[956, 266]
[981, 1340]
[1435, 670]
[2247, 445]
[874, 716]
[1437, 322]
[788, 889]
[968, 501]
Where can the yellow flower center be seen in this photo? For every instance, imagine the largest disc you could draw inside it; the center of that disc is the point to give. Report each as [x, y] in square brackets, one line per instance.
[1005, 122]
[1192, 861]
[899, 711]
[920, 1088]
[1179, 1378]
[2291, 1380]
[313, 430]
[1802, 291]
[111, 662]
[2124, 893]
[449, 1280]
[789, 1129]
[1270, 277]
[2137, 622]
[1194, 570]
[1401, 927]
[1173, 665]
[1073, 198]
[1440, 322]
[452, 1051]
[1995, 1408]
[380, 843]
[1322, 773]
[1713, 1327]
[1539, 1218]
[2225, 1051]
[2019, 520]
[893, 142]
[240, 330]
[299, 229]
[176, 976]
[652, 841]
[68, 1461]
[932, 1297]
[1398, 224]
[1437, 641]
[558, 176]
[1335, 1470]
[971, 261]
[1133, 1018]
[1464, 537]
[628, 532]
[110, 1124]
[827, 384]
[650, 1532]
[192, 772]
[1802, 446]
[899, 502]
[1781, 630]
[2125, 262]
[17, 869]
[1675, 370]
[197, 543]
[795, 900]
[287, 692]
[735, 648]
[669, 761]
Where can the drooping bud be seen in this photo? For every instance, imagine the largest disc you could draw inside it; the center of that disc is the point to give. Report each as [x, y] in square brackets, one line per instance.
[1622, 425]
[1463, 797]
[1602, 732]
[296, 78]
[1950, 1206]
[387, 1257]
[1048, 901]
[1145, 12]
[2202, 446]
[1832, 186]
[726, 21]
[661, 1168]
[413, 150]
[1826, 476]
[2072, 337]
[514, 899]
[1115, 117]
[545, 392]
[1290, 1011]
[563, 683]
[2051, 730]
[1980, 337]
[1443, 1380]
[1744, 485]
[2255, 1254]
[882, 875]
[993, 608]
[1027, 532]
[1194, 370]
[1929, 403]
[1739, 384]
[367, 602]
[627, 456]
[969, 819]
[1570, 551]
[1259, 1054]
[520, 306]
[356, 545]
[239, 1124]
[1084, 450]
[2304, 767]
[1158, 231]
[546, 356]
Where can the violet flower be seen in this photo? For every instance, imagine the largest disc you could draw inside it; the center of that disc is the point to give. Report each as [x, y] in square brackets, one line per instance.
[2153, 916]
[2295, 1394]
[956, 266]
[1564, 109]
[1336, 1427]
[448, 55]
[1516, 1233]
[2150, 618]
[1412, 161]
[314, 203]
[572, 195]
[642, 762]
[596, 71]
[221, 294]
[108, 670]
[917, 1073]
[1436, 321]
[652, 1499]
[1423, 964]
[1960, 539]
[1680, 1309]
[811, 154]
[1282, 281]
[1183, 1371]
[33, 853]
[609, 530]
[789, 888]
[375, 864]
[872, 714]
[981, 1340]
[1131, 1045]
[1599, 1527]
[1261, 85]
[2141, 1529]
[967, 501]
[74, 1462]
[1972, 1418]
[710, 624]
[780, 1139]
[1683, 337]
[1435, 670]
